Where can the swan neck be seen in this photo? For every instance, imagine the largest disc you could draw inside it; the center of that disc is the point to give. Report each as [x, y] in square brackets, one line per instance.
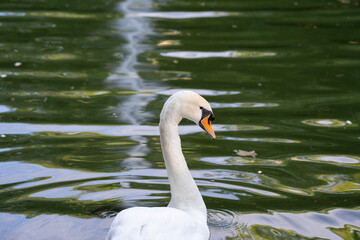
[185, 194]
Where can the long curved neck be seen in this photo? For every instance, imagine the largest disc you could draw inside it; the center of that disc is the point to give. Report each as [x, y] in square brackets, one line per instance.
[185, 194]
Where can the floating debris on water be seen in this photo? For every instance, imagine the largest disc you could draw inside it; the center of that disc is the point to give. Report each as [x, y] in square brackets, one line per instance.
[245, 153]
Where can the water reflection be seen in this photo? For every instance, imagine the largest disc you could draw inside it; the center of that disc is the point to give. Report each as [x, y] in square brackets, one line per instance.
[349, 231]
[182, 15]
[330, 159]
[327, 122]
[226, 224]
[4, 109]
[22, 227]
[125, 76]
[339, 183]
[44, 74]
[231, 160]
[83, 84]
[303, 224]
[203, 92]
[122, 130]
[226, 54]
[52, 14]
[270, 140]
[243, 105]
[58, 56]
[168, 43]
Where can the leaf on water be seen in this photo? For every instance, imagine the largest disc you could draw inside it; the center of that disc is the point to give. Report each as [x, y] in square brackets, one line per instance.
[245, 153]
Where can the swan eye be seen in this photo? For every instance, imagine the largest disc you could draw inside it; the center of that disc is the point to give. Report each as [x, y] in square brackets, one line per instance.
[201, 108]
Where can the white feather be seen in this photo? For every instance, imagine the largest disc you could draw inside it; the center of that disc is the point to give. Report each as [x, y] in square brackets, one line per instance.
[157, 223]
[185, 217]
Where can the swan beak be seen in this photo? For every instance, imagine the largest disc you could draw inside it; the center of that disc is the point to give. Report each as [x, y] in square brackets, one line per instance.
[205, 124]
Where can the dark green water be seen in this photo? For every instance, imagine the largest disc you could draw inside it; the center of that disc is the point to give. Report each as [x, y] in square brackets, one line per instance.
[82, 84]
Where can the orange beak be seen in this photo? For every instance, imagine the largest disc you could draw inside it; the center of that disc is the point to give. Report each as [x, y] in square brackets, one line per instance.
[205, 124]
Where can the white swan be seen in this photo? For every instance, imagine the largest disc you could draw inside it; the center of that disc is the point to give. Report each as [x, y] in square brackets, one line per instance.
[185, 217]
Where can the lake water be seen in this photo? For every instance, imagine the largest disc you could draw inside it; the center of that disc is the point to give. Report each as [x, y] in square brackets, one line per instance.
[82, 84]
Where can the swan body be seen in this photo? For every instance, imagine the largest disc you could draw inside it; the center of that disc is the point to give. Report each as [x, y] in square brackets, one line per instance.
[185, 217]
[157, 223]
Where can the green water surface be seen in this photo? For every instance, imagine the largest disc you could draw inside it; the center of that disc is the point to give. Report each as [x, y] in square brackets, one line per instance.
[82, 84]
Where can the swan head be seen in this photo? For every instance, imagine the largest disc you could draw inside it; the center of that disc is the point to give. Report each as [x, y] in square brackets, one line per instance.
[192, 106]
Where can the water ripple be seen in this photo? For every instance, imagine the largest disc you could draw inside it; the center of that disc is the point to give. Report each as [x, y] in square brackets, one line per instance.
[327, 122]
[304, 224]
[204, 92]
[230, 160]
[49, 14]
[44, 74]
[221, 218]
[270, 140]
[225, 54]
[243, 105]
[338, 183]
[9, 149]
[181, 15]
[342, 159]
[123, 130]
[4, 109]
